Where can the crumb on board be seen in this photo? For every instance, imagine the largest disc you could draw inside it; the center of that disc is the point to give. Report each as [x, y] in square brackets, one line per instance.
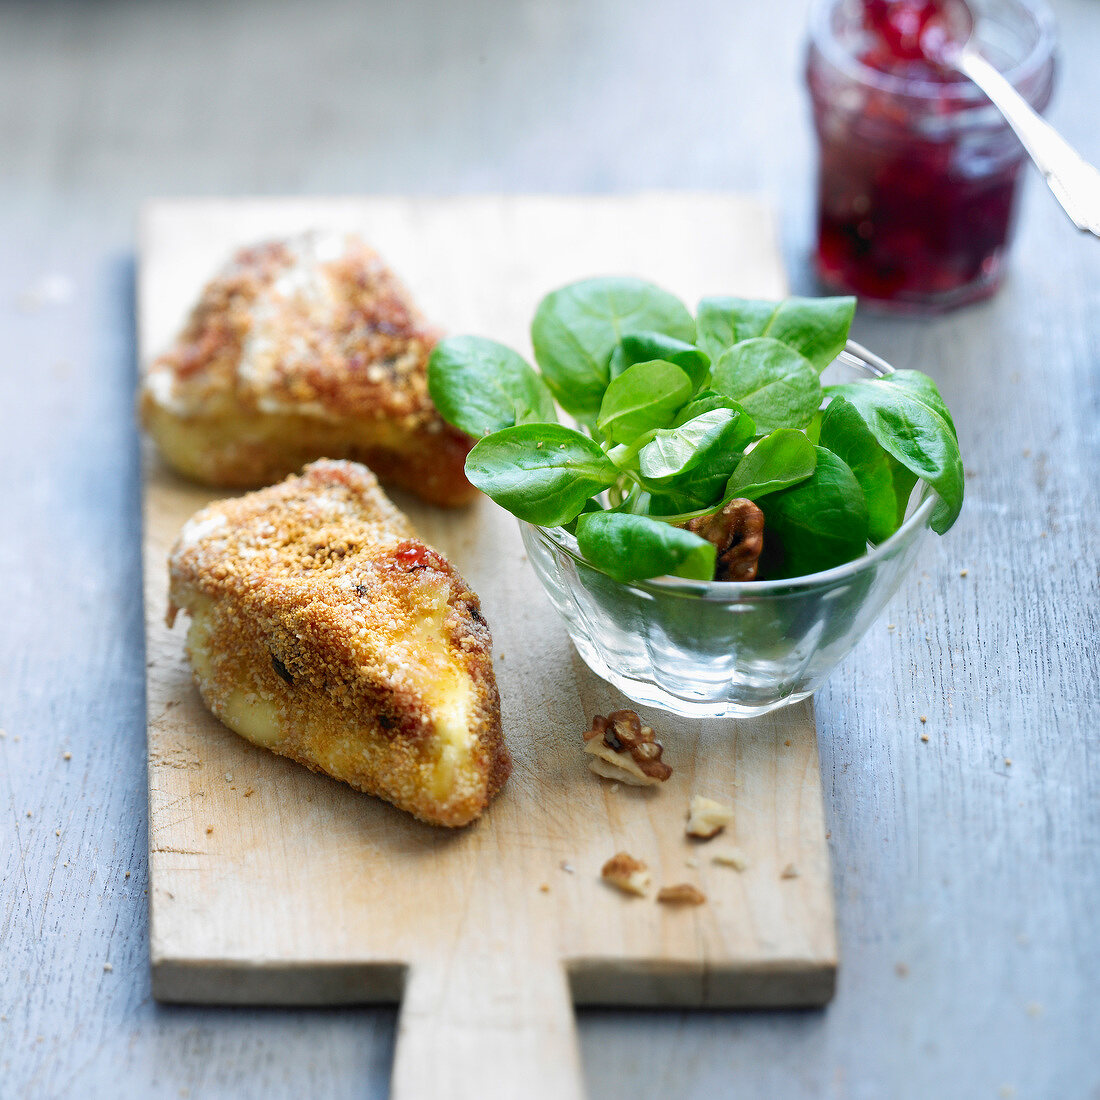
[707, 818]
[730, 857]
[1008, 761]
[209, 829]
[107, 967]
[787, 743]
[924, 737]
[891, 626]
[228, 777]
[963, 572]
[57, 832]
[544, 887]
[127, 875]
[248, 793]
[626, 873]
[683, 893]
[790, 871]
[66, 756]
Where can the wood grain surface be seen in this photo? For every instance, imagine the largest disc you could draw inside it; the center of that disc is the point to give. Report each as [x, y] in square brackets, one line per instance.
[966, 887]
[272, 885]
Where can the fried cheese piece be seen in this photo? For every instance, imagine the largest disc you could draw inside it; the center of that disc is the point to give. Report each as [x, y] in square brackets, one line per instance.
[302, 349]
[324, 630]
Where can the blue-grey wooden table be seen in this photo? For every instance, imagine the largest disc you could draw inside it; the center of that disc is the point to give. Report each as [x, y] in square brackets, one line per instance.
[968, 887]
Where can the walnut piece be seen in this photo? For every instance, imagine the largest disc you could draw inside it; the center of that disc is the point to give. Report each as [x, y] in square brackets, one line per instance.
[627, 873]
[707, 818]
[625, 750]
[683, 893]
[737, 530]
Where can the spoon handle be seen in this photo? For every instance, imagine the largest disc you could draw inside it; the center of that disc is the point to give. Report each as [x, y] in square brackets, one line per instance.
[1075, 182]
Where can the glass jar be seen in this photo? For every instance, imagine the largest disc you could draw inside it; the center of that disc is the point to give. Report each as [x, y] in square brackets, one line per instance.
[919, 174]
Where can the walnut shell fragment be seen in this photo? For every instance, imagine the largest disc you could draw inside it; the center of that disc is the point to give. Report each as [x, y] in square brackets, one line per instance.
[625, 750]
[627, 873]
[683, 893]
[707, 818]
[737, 530]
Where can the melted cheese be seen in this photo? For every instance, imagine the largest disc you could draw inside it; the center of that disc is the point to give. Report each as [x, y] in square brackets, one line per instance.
[253, 716]
[447, 691]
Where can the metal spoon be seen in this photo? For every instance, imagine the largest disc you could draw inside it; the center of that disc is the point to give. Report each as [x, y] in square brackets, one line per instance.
[1075, 182]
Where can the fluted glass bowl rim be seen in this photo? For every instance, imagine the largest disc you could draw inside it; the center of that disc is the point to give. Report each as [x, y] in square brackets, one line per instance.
[854, 355]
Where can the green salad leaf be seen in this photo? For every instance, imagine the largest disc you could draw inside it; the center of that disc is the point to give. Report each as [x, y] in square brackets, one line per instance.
[817, 328]
[644, 396]
[818, 523]
[906, 415]
[848, 437]
[778, 461]
[641, 347]
[481, 386]
[542, 473]
[675, 451]
[576, 328]
[628, 547]
[776, 386]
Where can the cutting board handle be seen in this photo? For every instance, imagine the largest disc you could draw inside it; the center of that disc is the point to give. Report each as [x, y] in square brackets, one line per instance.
[473, 1028]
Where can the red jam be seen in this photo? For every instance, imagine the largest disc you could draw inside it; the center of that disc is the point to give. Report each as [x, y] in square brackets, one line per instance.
[918, 173]
[410, 555]
[906, 36]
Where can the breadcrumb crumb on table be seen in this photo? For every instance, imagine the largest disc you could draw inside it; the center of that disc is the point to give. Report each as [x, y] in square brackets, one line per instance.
[683, 893]
[707, 818]
[628, 874]
[730, 857]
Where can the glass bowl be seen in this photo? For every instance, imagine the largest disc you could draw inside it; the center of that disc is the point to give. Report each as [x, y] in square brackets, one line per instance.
[727, 648]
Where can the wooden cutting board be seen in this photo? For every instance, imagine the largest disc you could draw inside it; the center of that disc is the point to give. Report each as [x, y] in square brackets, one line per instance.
[272, 885]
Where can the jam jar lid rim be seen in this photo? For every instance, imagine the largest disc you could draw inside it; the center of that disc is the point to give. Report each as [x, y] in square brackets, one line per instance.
[1040, 55]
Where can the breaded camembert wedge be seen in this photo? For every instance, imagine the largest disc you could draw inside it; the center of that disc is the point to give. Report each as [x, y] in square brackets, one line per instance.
[302, 349]
[324, 630]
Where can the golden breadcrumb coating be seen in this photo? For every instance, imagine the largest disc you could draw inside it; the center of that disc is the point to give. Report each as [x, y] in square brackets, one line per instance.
[323, 629]
[302, 349]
